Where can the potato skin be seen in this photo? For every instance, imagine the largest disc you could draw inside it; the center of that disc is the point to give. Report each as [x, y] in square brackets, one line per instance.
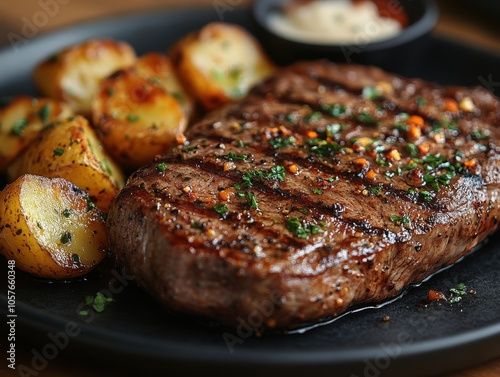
[220, 63]
[73, 75]
[136, 118]
[71, 150]
[57, 237]
[21, 120]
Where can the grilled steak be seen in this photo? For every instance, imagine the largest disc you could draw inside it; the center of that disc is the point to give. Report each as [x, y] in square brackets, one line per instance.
[329, 186]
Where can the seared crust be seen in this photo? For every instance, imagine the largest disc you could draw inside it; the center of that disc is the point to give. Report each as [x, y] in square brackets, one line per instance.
[368, 203]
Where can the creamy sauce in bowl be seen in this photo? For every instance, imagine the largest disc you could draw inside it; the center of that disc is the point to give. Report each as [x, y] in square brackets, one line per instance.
[336, 22]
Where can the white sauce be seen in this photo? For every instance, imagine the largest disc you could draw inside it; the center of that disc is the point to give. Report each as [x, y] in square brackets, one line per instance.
[334, 21]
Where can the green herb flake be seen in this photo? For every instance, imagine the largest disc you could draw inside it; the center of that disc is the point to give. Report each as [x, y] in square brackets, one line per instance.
[281, 142]
[110, 91]
[335, 110]
[317, 191]
[413, 150]
[132, 118]
[221, 209]
[44, 113]
[251, 201]
[237, 157]
[67, 212]
[90, 204]
[65, 238]
[75, 258]
[313, 117]
[294, 225]
[98, 303]
[478, 135]
[458, 293]
[333, 129]
[83, 312]
[376, 190]
[323, 148]
[421, 101]
[161, 167]
[19, 127]
[240, 143]
[371, 93]
[366, 118]
[58, 151]
[178, 97]
[400, 220]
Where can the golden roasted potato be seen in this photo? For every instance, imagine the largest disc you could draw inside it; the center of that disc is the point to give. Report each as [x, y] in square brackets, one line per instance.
[158, 69]
[21, 119]
[73, 75]
[49, 229]
[72, 151]
[219, 63]
[136, 118]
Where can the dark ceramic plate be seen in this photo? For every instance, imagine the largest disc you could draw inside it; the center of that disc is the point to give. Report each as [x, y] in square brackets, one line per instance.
[135, 332]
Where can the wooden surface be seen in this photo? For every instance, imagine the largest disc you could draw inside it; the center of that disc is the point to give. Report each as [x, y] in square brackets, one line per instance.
[458, 19]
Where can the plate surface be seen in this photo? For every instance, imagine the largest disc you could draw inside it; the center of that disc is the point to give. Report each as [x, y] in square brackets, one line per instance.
[136, 332]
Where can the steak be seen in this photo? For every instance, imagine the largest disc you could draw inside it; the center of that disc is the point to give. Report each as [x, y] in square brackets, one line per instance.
[328, 187]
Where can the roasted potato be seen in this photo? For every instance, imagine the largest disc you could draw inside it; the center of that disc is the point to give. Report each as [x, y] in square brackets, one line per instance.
[72, 151]
[73, 75]
[158, 69]
[219, 63]
[49, 229]
[136, 118]
[21, 119]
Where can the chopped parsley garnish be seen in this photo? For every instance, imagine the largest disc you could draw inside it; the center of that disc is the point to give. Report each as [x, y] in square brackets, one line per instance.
[19, 127]
[478, 135]
[427, 196]
[317, 191]
[221, 209]
[277, 173]
[294, 225]
[110, 91]
[376, 190]
[281, 142]
[421, 101]
[90, 204]
[178, 97]
[413, 150]
[237, 157]
[58, 151]
[251, 201]
[98, 303]
[76, 258]
[65, 238]
[400, 220]
[366, 118]
[67, 212]
[371, 93]
[333, 129]
[323, 148]
[313, 117]
[382, 161]
[132, 118]
[161, 167]
[458, 293]
[335, 110]
[44, 113]
[240, 144]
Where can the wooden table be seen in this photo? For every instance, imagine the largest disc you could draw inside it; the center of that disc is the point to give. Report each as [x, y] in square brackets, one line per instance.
[458, 19]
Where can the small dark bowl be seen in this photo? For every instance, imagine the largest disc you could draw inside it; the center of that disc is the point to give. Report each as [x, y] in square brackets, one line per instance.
[422, 16]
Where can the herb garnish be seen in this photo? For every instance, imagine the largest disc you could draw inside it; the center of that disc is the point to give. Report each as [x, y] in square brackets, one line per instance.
[44, 113]
[323, 148]
[161, 167]
[65, 238]
[335, 110]
[19, 127]
[371, 93]
[317, 191]
[458, 293]
[98, 303]
[237, 157]
[294, 225]
[58, 151]
[221, 209]
[281, 142]
[400, 220]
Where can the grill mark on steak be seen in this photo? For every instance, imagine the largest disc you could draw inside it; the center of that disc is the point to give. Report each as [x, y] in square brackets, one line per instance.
[319, 254]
